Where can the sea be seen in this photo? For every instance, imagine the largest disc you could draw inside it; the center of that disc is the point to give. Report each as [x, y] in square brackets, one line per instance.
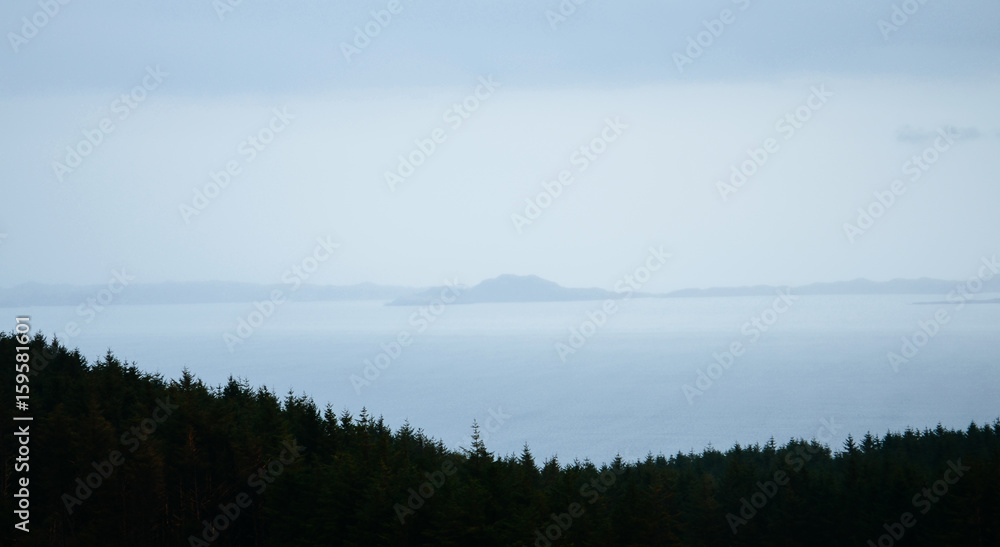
[584, 380]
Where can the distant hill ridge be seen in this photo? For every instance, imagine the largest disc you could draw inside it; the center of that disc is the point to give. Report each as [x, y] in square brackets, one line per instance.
[511, 288]
[208, 292]
[505, 288]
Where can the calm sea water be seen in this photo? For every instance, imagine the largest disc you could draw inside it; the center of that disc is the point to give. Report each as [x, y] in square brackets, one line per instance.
[823, 359]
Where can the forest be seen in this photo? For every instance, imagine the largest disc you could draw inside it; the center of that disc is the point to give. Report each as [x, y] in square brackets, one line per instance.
[119, 456]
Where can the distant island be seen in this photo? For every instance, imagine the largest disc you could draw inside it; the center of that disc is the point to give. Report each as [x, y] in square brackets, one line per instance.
[967, 301]
[510, 288]
[505, 288]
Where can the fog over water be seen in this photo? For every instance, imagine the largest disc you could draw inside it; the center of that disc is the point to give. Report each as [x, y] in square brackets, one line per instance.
[622, 391]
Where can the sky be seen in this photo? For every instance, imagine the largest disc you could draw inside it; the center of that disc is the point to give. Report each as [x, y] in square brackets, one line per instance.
[560, 139]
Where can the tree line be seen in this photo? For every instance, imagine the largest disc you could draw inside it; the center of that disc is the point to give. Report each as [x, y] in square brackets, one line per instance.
[124, 457]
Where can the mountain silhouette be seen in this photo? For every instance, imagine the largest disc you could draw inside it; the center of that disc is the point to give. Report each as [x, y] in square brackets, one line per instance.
[508, 288]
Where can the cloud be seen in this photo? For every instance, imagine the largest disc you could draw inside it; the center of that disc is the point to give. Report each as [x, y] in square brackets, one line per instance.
[283, 46]
[910, 134]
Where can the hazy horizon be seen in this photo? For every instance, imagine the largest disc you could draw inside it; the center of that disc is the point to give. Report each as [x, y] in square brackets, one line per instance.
[471, 283]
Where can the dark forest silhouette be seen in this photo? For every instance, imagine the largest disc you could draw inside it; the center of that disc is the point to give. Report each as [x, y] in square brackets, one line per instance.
[123, 457]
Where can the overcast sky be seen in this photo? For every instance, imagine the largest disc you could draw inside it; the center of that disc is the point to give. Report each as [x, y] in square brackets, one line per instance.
[871, 84]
